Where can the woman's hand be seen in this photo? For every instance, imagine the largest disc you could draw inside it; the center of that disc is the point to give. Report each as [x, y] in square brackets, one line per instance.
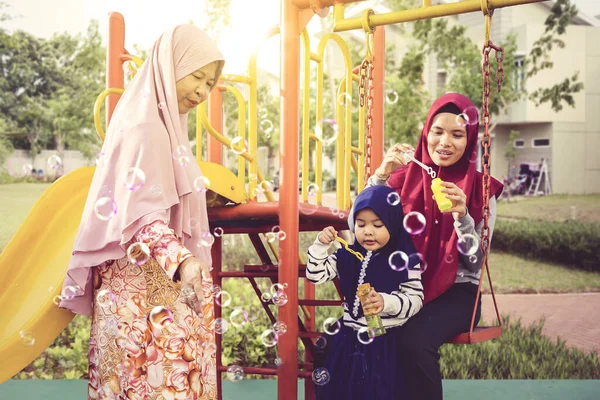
[373, 304]
[458, 197]
[190, 272]
[394, 159]
[327, 235]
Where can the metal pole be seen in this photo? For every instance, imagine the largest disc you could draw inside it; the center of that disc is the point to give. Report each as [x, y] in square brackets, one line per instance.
[114, 67]
[287, 375]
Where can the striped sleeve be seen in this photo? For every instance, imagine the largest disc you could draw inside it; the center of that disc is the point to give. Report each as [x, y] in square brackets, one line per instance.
[321, 267]
[405, 302]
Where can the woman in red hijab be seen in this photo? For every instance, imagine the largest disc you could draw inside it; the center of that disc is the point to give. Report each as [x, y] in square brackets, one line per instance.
[448, 144]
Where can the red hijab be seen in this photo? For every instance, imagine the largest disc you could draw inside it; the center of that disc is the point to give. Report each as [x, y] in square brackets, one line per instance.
[437, 242]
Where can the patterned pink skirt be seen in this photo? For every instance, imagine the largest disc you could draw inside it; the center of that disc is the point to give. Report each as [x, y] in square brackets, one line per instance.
[146, 343]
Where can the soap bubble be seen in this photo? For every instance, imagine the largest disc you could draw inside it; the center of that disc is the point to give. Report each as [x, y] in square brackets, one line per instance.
[238, 145]
[414, 222]
[235, 373]
[105, 208]
[365, 335]
[269, 338]
[223, 299]
[134, 178]
[398, 261]
[238, 318]
[327, 131]
[280, 328]
[393, 199]
[467, 244]
[160, 317]
[201, 184]
[320, 376]
[221, 326]
[54, 162]
[138, 253]
[331, 326]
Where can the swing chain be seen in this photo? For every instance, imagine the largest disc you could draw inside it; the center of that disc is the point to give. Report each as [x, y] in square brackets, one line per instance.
[365, 93]
[486, 139]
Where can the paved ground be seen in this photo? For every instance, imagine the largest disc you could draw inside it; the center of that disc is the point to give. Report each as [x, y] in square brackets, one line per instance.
[572, 317]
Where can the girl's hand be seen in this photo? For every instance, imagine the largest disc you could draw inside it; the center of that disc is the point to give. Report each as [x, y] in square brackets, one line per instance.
[374, 303]
[327, 235]
[458, 197]
[393, 159]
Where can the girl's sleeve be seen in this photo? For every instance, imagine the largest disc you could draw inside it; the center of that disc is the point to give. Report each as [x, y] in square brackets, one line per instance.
[466, 225]
[321, 267]
[407, 300]
[164, 246]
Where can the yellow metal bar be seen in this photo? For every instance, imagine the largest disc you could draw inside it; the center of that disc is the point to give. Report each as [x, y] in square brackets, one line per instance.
[98, 106]
[356, 150]
[241, 127]
[253, 112]
[213, 132]
[354, 165]
[315, 57]
[344, 130]
[427, 12]
[236, 78]
[426, 3]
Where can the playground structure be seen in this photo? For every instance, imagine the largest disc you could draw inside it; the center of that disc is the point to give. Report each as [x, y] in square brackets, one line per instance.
[29, 291]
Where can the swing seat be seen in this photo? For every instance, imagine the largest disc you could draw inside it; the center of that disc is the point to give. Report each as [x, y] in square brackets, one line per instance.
[479, 334]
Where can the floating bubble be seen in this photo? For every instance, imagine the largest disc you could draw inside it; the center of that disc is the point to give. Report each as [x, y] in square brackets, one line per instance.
[266, 126]
[54, 162]
[417, 258]
[269, 338]
[27, 337]
[221, 326]
[321, 377]
[473, 259]
[280, 328]
[56, 300]
[331, 326]
[393, 199]
[218, 231]
[235, 373]
[280, 298]
[160, 317]
[206, 239]
[238, 145]
[271, 237]
[105, 191]
[17, 169]
[105, 298]
[449, 259]
[183, 161]
[469, 116]
[275, 228]
[365, 335]
[223, 299]
[263, 113]
[179, 152]
[276, 287]
[201, 184]
[278, 362]
[69, 292]
[467, 244]
[105, 208]
[100, 159]
[321, 342]
[265, 297]
[281, 235]
[134, 178]
[214, 289]
[391, 96]
[238, 318]
[138, 253]
[27, 169]
[327, 131]
[312, 190]
[156, 190]
[414, 222]
[344, 99]
[265, 186]
[398, 261]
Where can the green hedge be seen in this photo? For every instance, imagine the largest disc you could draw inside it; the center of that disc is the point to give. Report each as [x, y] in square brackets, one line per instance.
[570, 243]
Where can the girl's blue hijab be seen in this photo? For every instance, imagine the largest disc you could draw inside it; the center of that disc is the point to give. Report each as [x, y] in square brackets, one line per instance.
[381, 200]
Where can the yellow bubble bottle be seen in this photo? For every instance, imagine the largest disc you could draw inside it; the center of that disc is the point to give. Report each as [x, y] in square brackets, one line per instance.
[374, 322]
[440, 198]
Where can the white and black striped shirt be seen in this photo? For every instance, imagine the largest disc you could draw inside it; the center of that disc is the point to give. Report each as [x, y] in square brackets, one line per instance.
[398, 306]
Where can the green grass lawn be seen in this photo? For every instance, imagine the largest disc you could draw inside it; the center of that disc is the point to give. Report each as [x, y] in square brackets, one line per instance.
[553, 208]
[510, 273]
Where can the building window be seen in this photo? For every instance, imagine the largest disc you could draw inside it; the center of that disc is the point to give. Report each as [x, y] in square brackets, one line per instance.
[441, 80]
[519, 143]
[520, 72]
[545, 142]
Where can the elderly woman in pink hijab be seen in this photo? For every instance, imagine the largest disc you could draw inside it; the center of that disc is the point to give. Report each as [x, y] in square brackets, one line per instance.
[140, 267]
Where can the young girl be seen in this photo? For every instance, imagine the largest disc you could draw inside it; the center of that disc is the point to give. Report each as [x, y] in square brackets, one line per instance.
[359, 369]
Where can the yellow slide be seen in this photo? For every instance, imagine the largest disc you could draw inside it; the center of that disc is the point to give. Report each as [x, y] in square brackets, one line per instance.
[32, 268]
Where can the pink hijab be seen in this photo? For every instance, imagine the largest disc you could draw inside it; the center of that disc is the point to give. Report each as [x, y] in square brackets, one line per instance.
[144, 135]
